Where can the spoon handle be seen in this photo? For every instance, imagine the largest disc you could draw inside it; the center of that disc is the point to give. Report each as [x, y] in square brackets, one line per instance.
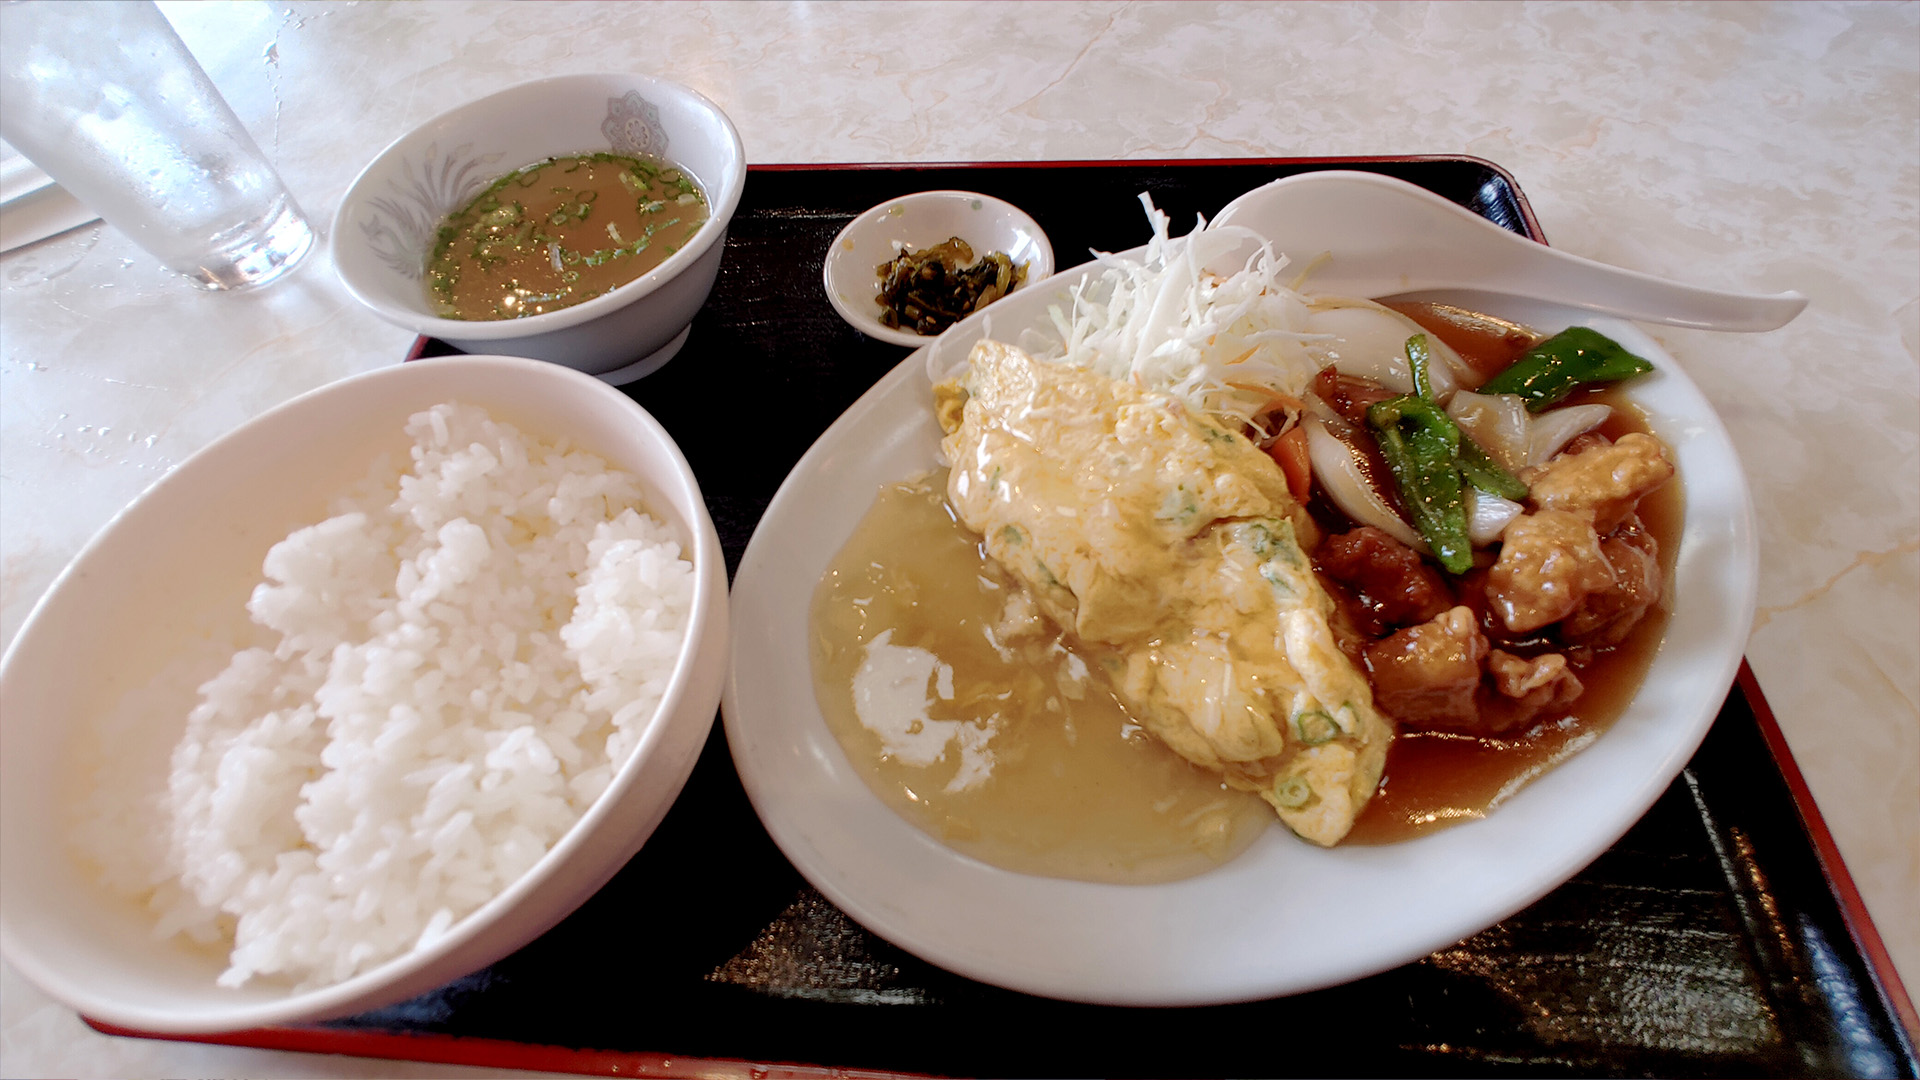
[1538, 272]
[1386, 237]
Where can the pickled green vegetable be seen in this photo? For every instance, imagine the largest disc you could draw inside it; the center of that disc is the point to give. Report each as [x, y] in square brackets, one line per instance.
[927, 291]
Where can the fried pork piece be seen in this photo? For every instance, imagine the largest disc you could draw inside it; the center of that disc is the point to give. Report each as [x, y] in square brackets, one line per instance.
[1528, 687]
[1429, 675]
[1391, 584]
[1167, 548]
[1442, 675]
[1603, 482]
[1550, 560]
[1554, 564]
[1605, 617]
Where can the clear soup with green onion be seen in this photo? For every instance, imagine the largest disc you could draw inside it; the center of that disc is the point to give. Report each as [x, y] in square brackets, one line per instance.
[558, 232]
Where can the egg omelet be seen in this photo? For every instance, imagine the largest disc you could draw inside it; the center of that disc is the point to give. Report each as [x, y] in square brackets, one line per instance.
[1169, 549]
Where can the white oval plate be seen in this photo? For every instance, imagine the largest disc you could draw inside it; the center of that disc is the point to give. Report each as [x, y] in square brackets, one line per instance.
[1283, 917]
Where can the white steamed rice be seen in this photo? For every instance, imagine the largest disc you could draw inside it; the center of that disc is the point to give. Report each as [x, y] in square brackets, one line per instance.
[461, 658]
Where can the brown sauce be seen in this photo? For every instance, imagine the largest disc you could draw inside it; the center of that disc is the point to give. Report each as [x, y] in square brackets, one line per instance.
[1487, 343]
[1436, 779]
[560, 232]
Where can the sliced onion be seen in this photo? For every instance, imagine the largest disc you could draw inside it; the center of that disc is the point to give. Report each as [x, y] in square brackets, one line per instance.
[1371, 341]
[1555, 428]
[1338, 471]
[1488, 515]
[1497, 422]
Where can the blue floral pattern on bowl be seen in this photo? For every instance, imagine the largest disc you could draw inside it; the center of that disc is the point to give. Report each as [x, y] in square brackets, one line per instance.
[633, 127]
[400, 226]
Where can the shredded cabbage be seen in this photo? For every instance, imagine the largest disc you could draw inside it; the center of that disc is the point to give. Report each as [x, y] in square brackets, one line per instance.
[1224, 343]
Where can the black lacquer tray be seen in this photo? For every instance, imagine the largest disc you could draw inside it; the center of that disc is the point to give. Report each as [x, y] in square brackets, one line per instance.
[1720, 937]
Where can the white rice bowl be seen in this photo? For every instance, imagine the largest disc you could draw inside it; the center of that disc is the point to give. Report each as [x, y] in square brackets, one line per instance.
[465, 696]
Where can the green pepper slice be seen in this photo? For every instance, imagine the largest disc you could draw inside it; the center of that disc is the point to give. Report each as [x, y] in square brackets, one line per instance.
[1487, 474]
[1577, 356]
[1432, 461]
[1479, 469]
[1421, 446]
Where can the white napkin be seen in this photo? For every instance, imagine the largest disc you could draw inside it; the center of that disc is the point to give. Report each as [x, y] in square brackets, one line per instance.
[32, 206]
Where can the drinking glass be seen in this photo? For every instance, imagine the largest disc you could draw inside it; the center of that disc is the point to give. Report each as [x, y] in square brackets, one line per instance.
[107, 100]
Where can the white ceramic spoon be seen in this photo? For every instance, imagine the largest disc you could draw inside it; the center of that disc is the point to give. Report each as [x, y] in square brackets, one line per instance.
[1390, 237]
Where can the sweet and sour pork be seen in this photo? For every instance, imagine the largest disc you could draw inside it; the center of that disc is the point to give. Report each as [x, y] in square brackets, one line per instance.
[1578, 570]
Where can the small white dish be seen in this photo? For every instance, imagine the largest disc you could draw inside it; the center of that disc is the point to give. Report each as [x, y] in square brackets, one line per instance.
[1283, 917]
[172, 572]
[387, 220]
[918, 221]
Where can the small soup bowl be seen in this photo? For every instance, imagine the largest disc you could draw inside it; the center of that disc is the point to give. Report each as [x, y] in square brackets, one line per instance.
[384, 232]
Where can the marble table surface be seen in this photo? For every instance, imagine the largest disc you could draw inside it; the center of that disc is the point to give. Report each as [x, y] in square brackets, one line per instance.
[1753, 146]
